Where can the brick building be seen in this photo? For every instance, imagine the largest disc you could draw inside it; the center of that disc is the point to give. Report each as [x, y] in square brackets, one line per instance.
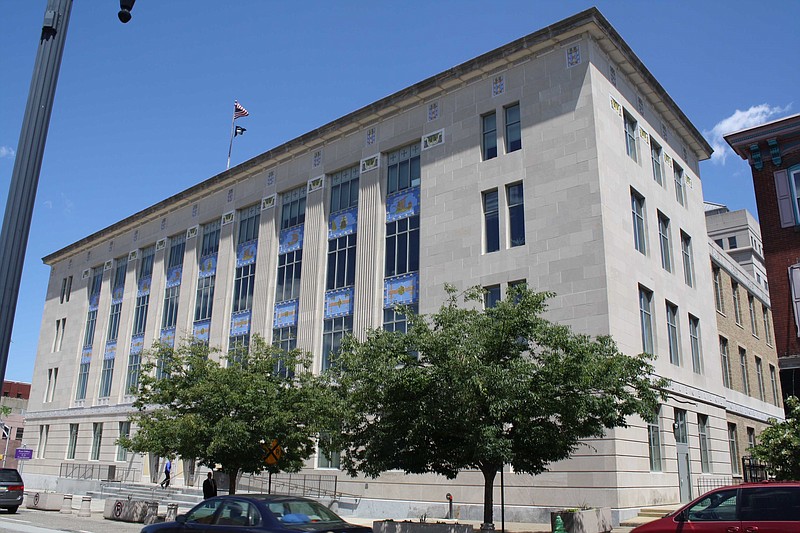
[773, 151]
[15, 396]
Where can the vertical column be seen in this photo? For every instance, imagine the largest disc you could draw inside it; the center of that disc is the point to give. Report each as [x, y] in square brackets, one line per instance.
[309, 321]
[368, 307]
[264, 294]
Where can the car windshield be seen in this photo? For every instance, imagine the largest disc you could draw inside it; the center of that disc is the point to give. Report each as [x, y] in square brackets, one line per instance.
[296, 513]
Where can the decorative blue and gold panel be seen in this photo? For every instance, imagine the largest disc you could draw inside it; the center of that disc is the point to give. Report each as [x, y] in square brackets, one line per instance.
[168, 336]
[339, 302]
[401, 290]
[94, 299]
[246, 253]
[86, 355]
[285, 314]
[137, 344]
[144, 286]
[208, 266]
[342, 223]
[117, 294]
[240, 323]
[404, 204]
[291, 239]
[202, 330]
[111, 350]
[174, 276]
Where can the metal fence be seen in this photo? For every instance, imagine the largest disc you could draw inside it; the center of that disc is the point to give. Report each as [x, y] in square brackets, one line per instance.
[316, 485]
[706, 483]
[754, 471]
[97, 471]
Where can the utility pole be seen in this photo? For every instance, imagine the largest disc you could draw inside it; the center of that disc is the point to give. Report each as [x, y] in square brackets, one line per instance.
[27, 165]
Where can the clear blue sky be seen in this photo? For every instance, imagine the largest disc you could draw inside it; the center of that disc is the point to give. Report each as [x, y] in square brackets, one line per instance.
[143, 110]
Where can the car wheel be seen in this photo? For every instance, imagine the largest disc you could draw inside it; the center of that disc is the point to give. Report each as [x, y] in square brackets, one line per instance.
[13, 509]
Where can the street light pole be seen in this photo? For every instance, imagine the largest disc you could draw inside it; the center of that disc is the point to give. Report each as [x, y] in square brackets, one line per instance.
[27, 165]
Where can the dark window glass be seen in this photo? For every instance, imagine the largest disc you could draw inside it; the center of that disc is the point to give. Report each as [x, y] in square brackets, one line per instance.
[491, 221]
[489, 136]
[513, 132]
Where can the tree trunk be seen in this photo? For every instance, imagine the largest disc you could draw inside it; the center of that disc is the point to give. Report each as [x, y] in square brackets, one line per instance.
[489, 473]
[233, 474]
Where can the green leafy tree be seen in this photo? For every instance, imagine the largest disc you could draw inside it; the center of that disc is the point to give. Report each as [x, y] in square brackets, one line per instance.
[221, 414]
[779, 444]
[474, 388]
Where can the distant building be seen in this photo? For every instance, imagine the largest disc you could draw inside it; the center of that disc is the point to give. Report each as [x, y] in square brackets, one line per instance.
[15, 396]
[747, 352]
[773, 151]
[557, 160]
[738, 233]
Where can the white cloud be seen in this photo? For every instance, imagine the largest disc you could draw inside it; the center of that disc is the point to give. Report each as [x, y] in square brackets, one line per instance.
[755, 116]
[6, 151]
[48, 204]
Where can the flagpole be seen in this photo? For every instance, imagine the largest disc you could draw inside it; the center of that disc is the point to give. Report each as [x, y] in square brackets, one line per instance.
[230, 146]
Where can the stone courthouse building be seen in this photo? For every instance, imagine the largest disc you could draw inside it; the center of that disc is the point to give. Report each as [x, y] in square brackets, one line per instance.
[551, 160]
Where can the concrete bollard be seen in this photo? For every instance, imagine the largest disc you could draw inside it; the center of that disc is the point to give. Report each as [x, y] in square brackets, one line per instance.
[66, 504]
[86, 506]
[172, 512]
[151, 516]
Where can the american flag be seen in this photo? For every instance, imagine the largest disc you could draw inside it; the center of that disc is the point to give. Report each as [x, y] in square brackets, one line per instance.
[238, 110]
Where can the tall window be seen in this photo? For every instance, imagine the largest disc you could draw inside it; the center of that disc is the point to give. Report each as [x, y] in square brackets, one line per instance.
[718, 301]
[654, 441]
[97, 440]
[88, 334]
[293, 211]
[630, 136]
[341, 262]
[733, 448]
[743, 366]
[680, 191]
[289, 269]
[396, 321]
[404, 170]
[664, 240]
[688, 262]
[672, 334]
[124, 431]
[725, 361]
[334, 330]
[694, 337]
[751, 306]
[774, 382]
[767, 324]
[117, 288]
[106, 377]
[513, 132]
[66, 289]
[328, 459]
[44, 433]
[73, 441]
[705, 443]
[751, 438]
[344, 189]
[516, 214]
[143, 297]
[646, 319]
[491, 220]
[286, 339]
[655, 156]
[737, 306]
[402, 246]
[639, 233]
[760, 379]
[52, 379]
[245, 278]
[680, 430]
[177, 246]
[204, 300]
[489, 140]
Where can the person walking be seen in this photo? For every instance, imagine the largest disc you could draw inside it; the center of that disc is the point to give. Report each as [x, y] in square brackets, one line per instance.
[209, 487]
[167, 470]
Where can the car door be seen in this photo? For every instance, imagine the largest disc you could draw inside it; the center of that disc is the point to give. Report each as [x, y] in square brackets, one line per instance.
[198, 519]
[236, 515]
[716, 512]
[772, 508]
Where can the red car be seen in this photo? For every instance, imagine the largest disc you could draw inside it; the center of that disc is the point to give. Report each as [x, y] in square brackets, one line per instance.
[748, 508]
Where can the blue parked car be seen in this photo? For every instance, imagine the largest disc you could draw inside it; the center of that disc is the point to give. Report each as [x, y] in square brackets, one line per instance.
[257, 513]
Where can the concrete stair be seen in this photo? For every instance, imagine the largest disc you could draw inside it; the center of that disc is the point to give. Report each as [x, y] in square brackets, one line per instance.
[648, 514]
[185, 497]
